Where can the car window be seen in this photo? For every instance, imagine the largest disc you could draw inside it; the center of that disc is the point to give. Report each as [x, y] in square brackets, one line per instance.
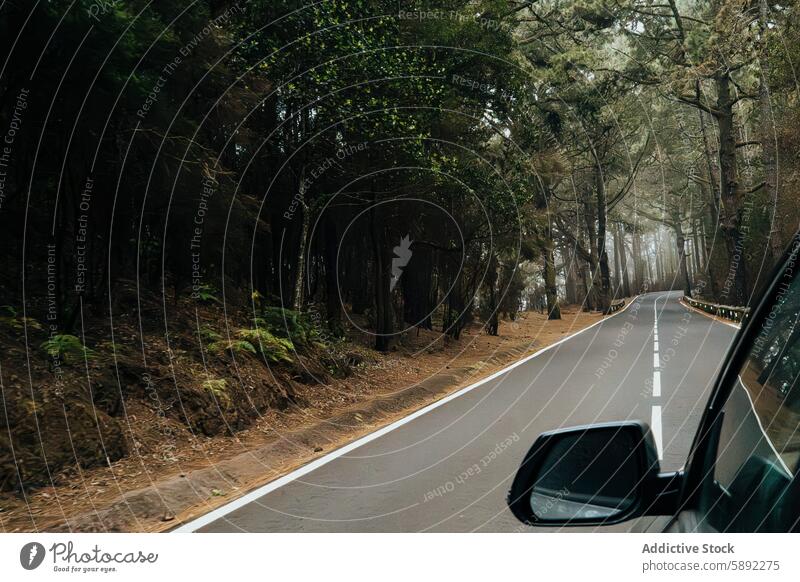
[758, 450]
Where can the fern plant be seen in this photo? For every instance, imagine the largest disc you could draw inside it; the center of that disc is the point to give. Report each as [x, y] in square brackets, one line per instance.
[235, 346]
[208, 335]
[218, 387]
[274, 349]
[206, 294]
[66, 347]
[288, 324]
[9, 317]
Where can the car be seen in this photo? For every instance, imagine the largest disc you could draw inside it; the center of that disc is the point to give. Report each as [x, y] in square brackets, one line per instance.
[741, 474]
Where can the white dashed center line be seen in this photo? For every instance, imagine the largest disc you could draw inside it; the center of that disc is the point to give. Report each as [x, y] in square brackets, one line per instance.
[655, 426]
[655, 417]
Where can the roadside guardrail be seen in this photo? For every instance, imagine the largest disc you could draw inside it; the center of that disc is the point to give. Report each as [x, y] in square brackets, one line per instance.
[732, 313]
[616, 305]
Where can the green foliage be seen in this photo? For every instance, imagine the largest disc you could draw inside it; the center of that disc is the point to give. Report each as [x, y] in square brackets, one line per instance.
[218, 387]
[253, 341]
[206, 294]
[216, 344]
[9, 317]
[66, 347]
[209, 335]
[235, 346]
[257, 299]
[274, 349]
[289, 324]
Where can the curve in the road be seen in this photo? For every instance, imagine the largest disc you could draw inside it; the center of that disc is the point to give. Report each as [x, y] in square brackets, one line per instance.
[447, 467]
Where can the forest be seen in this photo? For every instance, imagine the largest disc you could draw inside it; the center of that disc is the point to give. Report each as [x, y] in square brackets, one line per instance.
[193, 190]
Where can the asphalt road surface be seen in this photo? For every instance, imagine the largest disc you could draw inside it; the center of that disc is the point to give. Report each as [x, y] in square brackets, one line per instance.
[449, 469]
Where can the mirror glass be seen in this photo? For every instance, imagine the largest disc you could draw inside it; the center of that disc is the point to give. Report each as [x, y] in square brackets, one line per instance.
[592, 474]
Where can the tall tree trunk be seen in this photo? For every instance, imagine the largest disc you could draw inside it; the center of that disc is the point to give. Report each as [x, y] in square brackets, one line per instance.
[660, 275]
[383, 274]
[731, 194]
[602, 254]
[300, 262]
[638, 264]
[680, 244]
[769, 149]
[359, 284]
[708, 261]
[550, 288]
[713, 177]
[590, 270]
[626, 281]
[333, 302]
[710, 225]
[493, 323]
[617, 263]
[570, 275]
[696, 246]
[586, 278]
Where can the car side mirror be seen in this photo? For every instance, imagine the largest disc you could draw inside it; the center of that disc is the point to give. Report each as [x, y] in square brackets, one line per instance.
[593, 475]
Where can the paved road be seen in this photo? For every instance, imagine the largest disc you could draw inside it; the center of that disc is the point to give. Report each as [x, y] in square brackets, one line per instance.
[450, 468]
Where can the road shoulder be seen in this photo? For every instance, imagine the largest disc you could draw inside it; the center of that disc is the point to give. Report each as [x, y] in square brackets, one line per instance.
[171, 499]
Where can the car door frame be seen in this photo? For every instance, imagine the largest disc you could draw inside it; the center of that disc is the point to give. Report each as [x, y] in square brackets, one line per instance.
[702, 454]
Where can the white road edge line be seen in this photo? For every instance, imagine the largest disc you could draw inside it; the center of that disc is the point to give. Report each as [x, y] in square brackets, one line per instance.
[224, 510]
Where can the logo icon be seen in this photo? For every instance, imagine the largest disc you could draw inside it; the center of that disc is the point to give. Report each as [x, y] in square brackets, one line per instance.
[31, 555]
[400, 260]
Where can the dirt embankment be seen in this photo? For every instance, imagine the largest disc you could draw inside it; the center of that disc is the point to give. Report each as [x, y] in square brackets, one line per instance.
[149, 444]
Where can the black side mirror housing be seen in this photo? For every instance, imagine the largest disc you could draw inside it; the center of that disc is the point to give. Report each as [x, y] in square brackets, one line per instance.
[593, 475]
